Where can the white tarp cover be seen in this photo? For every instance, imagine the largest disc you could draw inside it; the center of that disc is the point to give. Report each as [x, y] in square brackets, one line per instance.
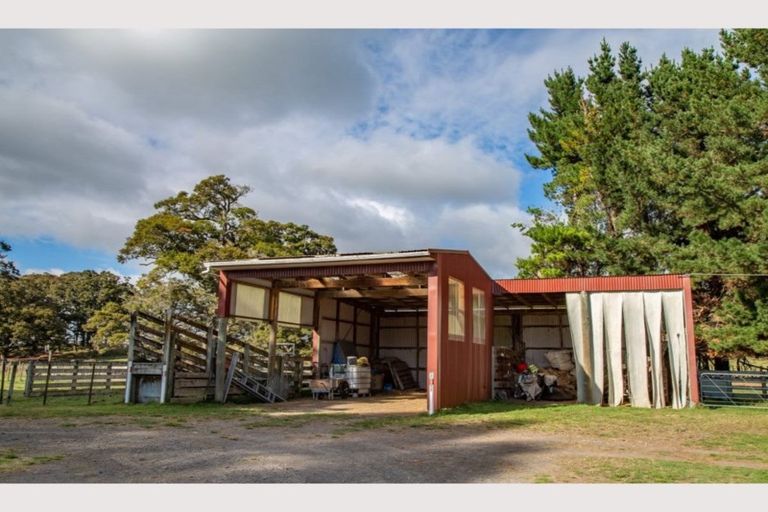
[674, 324]
[574, 304]
[636, 318]
[598, 364]
[612, 311]
[637, 353]
[652, 303]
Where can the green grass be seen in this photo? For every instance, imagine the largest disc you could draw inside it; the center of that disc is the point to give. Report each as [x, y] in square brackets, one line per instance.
[76, 407]
[12, 461]
[756, 444]
[642, 470]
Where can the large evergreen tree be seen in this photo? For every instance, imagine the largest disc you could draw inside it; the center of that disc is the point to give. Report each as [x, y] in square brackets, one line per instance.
[662, 170]
[210, 223]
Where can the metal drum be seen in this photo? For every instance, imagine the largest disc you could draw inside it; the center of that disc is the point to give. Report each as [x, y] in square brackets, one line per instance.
[359, 379]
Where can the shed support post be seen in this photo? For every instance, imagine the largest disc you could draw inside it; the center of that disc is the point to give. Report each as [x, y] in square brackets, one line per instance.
[693, 368]
[129, 394]
[585, 319]
[220, 392]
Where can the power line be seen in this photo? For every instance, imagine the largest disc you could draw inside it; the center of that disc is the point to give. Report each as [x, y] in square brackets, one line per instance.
[726, 274]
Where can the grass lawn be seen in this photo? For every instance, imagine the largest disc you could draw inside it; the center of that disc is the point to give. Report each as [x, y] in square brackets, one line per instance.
[11, 461]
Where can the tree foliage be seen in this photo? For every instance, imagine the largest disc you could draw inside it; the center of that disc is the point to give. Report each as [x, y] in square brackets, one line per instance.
[7, 268]
[662, 169]
[209, 224]
[40, 310]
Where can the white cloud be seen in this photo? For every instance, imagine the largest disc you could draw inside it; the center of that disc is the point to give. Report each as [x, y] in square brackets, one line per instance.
[51, 271]
[386, 140]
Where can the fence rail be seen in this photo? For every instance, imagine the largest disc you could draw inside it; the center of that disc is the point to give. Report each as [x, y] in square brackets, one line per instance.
[720, 388]
[74, 377]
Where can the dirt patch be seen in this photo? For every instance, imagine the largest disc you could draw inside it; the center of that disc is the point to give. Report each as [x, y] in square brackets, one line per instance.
[370, 440]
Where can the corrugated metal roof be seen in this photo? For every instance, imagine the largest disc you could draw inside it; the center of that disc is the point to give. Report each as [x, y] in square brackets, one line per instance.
[293, 271]
[590, 284]
[324, 261]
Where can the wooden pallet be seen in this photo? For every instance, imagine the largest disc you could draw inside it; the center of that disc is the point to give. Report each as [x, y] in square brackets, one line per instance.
[401, 374]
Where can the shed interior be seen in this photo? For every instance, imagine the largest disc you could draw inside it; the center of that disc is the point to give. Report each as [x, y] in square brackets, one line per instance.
[377, 315]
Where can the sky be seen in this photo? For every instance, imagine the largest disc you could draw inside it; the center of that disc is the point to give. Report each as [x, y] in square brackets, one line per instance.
[384, 139]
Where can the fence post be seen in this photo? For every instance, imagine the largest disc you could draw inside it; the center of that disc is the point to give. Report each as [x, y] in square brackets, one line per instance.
[108, 385]
[14, 366]
[169, 359]
[220, 393]
[247, 358]
[90, 386]
[2, 378]
[47, 380]
[298, 371]
[274, 306]
[30, 379]
[210, 348]
[75, 369]
[129, 365]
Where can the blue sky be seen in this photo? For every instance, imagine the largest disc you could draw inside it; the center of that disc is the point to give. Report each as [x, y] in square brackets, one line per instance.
[383, 139]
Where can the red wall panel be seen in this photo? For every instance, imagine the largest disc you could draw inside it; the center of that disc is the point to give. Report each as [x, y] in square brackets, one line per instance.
[462, 368]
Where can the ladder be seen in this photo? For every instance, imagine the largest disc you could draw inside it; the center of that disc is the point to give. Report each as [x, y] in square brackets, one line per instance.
[255, 387]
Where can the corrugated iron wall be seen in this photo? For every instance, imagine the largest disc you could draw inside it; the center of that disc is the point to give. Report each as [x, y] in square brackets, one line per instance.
[462, 368]
[593, 284]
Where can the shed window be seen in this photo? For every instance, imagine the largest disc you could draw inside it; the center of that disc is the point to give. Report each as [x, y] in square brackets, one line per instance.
[455, 309]
[478, 316]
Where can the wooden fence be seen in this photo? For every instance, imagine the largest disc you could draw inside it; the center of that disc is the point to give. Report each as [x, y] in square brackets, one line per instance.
[192, 345]
[74, 377]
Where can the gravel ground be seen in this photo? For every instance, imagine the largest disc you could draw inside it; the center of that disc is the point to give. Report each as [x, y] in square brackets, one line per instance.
[295, 448]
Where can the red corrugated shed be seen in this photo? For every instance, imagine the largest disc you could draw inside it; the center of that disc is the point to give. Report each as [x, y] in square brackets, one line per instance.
[591, 284]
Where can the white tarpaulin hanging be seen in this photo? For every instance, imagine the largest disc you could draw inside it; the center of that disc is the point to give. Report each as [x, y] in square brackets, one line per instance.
[612, 314]
[575, 314]
[674, 325]
[637, 354]
[652, 304]
[600, 321]
[598, 377]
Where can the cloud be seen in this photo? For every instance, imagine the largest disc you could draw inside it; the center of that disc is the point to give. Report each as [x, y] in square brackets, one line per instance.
[383, 139]
[51, 271]
[230, 78]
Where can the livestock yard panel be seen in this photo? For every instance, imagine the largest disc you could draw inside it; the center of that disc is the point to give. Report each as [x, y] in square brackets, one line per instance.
[75, 377]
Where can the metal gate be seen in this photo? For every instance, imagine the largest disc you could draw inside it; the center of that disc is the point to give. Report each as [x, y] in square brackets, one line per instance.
[727, 389]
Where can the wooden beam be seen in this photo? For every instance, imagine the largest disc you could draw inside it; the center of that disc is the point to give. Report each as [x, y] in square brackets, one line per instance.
[548, 300]
[374, 294]
[358, 282]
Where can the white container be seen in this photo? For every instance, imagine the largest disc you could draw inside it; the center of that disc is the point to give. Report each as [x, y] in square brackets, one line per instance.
[359, 378]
